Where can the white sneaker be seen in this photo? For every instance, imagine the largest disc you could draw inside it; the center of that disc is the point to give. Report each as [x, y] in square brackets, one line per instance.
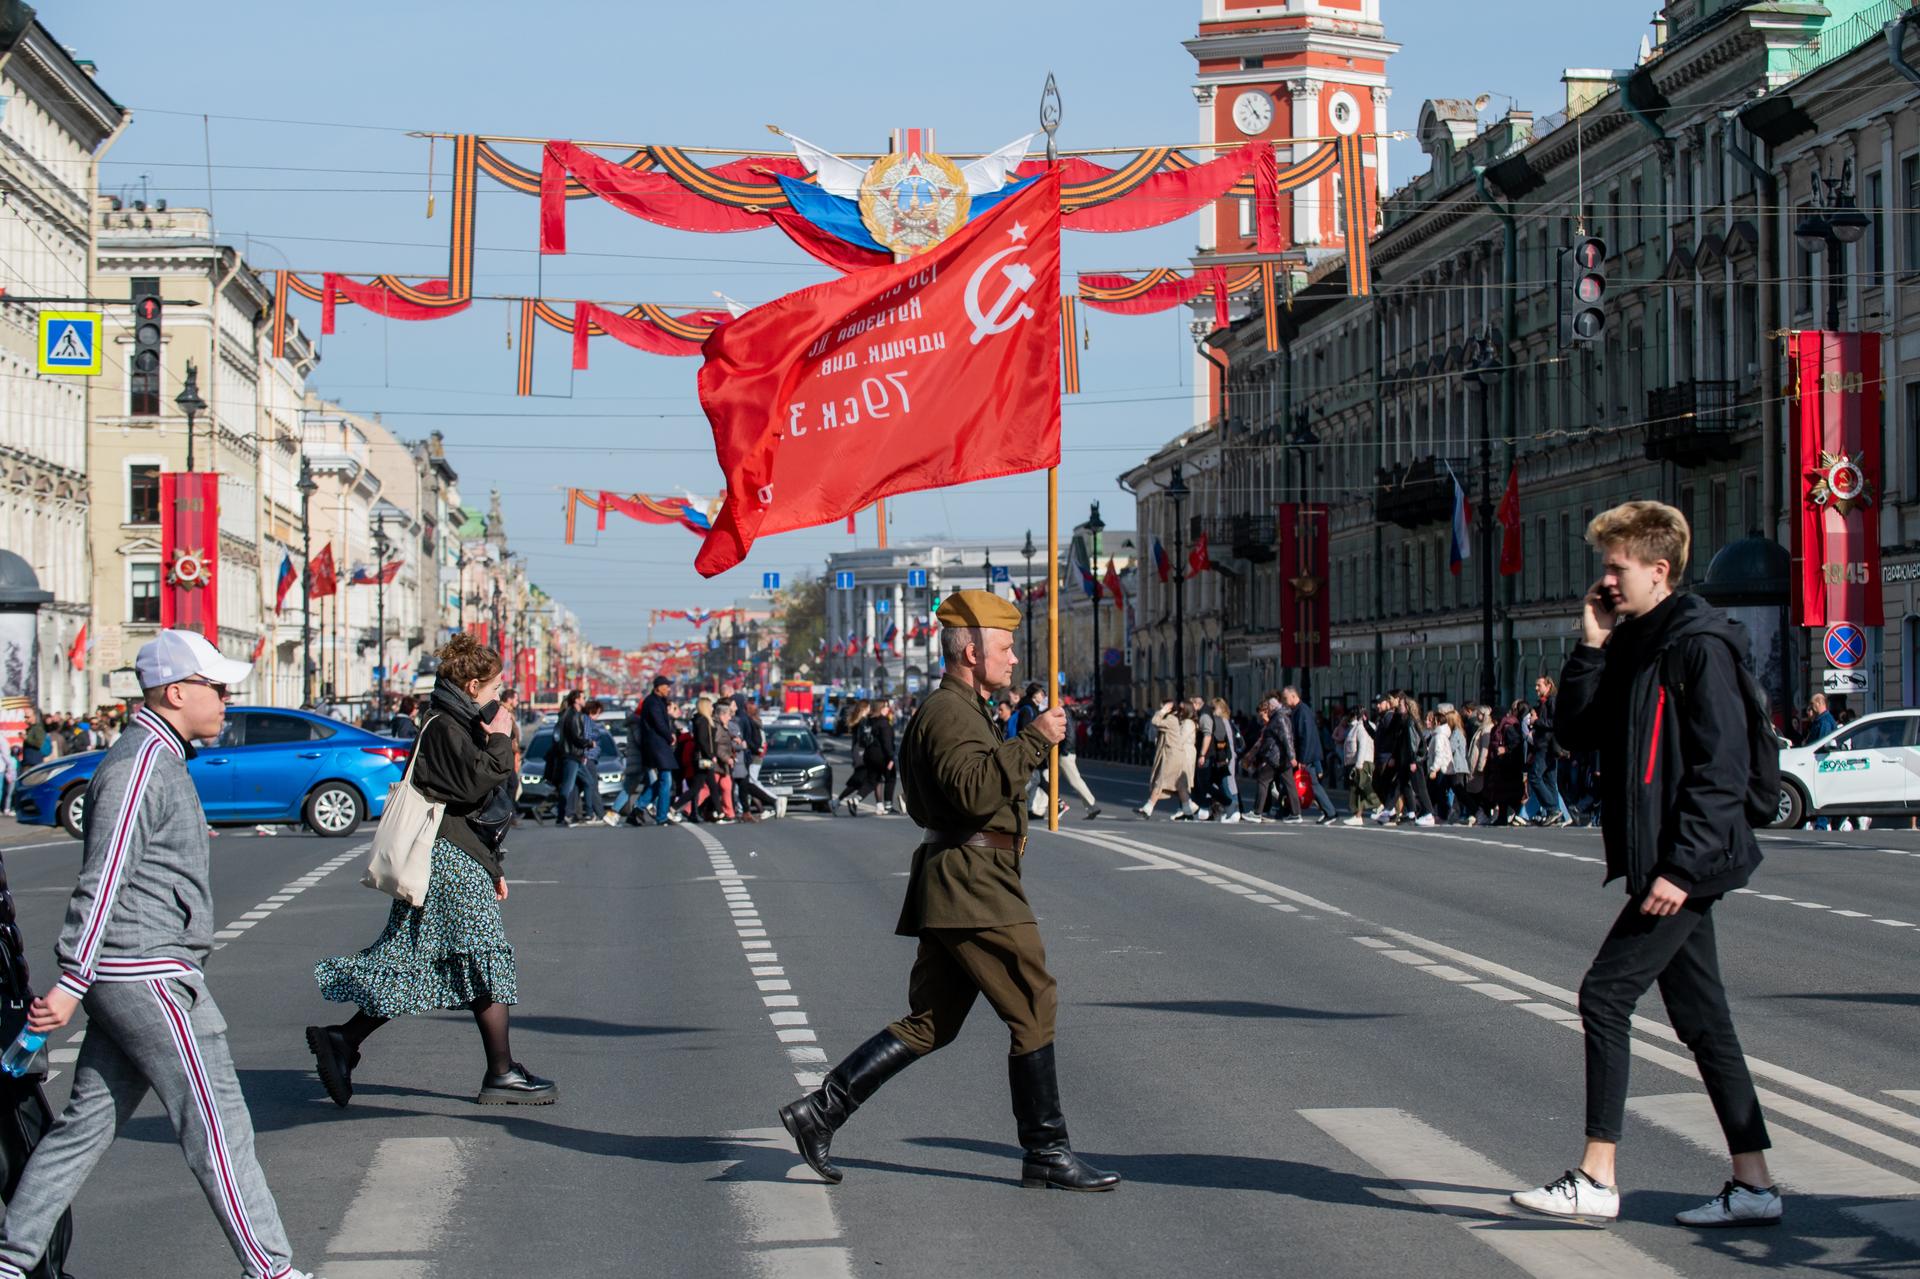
[1355, 820]
[675, 817]
[1572, 1195]
[1425, 819]
[1736, 1205]
[1230, 816]
[611, 819]
[880, 809]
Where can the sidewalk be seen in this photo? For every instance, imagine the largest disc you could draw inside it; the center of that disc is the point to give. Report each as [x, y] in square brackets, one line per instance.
[15, 834]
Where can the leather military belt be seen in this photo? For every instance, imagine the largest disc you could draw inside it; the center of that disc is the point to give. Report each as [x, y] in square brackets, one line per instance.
[973, 839]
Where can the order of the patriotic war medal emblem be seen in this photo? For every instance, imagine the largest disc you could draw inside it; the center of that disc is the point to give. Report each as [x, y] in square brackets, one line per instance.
[1839, 482]
[913, 201]
[190, 568]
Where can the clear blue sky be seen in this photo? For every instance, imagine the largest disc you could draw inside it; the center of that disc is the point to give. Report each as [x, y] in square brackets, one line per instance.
[321, 195]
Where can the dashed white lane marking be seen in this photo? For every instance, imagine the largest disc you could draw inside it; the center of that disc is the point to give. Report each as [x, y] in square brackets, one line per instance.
[1601, 861]
[394, 1226]
[238, 928]
[788, 1215]
[1459, 1182]
[1212, 873]
[1561, 1011]
[1805, 1164]
[1417, 952]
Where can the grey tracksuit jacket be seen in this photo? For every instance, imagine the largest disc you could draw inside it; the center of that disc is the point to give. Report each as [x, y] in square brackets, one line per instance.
[143, 906]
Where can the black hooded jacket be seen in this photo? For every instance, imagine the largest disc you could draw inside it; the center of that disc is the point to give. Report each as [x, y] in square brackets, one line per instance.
[1661, 703]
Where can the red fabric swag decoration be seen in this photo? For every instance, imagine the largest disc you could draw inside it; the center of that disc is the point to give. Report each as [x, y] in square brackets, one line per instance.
[380, 301]
[657, 197]
[640, 333]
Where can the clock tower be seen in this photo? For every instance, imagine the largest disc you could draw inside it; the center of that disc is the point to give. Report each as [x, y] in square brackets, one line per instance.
[1290, 69]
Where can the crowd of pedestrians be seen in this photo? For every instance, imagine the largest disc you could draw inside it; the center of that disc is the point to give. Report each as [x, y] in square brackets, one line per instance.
[1395, 760]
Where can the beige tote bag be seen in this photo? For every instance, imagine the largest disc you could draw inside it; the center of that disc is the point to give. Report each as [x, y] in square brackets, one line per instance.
[402, 858]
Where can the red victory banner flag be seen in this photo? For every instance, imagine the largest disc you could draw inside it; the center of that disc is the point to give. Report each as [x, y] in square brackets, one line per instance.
[1836, 444]
[1513, 549]
[322, 577]
[938, 370]
[1306, 633]
[1199, 559]
[190, 552]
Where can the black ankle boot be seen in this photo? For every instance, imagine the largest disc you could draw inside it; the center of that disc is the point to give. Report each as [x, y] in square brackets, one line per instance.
[817, 1116]
[1049, 1160]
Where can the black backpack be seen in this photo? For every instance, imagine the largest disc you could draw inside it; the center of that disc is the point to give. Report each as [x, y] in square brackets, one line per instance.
[1762, 800]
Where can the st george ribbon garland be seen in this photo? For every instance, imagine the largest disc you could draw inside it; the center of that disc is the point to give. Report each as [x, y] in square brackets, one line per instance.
[664, 185]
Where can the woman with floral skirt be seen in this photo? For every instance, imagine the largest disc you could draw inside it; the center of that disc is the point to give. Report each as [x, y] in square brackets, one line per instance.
[451, 951]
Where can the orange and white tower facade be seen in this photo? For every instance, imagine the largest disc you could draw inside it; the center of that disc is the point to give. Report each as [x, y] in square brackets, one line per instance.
[1277, 69]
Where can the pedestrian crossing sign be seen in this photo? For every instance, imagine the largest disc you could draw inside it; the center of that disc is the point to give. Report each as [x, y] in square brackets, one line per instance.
[70, 342]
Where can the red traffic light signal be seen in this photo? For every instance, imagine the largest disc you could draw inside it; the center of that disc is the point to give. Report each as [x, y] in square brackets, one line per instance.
[1582, 293]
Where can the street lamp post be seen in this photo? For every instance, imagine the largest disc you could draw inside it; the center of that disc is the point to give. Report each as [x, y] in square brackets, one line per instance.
[1834, 220]
[1177, 490]
[460, 564]
[191, 404]
[1094, 526]
[381, 547]
[307, 488]
[1484, 373]
[987, 568]
[1029, 551]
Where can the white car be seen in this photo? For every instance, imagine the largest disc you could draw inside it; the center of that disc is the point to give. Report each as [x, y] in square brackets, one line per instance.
[1869, 767]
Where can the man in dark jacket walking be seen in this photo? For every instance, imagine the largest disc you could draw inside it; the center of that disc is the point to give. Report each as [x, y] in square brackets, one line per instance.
[1306, 738]
[654, 740]
[1654, 687]
[569, 755]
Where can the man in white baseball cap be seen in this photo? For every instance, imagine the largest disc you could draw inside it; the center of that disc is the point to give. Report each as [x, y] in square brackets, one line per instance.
[138, 932]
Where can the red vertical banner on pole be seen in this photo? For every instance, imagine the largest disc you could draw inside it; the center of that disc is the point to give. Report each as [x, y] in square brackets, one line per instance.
[1836, 540]
[1305, 635]
[529, 671]
[190, 552]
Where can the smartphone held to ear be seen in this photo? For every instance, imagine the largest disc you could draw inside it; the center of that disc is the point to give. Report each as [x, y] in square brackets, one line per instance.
[488, 711]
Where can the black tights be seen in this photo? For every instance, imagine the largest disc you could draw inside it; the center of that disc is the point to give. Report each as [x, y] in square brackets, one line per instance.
[489, 1016]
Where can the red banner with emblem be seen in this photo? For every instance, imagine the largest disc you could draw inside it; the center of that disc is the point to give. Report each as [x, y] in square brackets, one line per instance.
[190, 552]
[1305, 625]
[1836, 539]
[529, 670]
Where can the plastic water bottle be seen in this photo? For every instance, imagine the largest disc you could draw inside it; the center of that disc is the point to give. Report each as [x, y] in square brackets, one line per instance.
[21, 1052]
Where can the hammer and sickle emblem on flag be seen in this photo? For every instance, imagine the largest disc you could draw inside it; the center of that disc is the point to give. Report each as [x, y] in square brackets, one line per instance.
[1007, 309]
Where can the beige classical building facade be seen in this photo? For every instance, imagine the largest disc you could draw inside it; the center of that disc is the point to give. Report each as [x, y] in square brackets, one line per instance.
[55, 125]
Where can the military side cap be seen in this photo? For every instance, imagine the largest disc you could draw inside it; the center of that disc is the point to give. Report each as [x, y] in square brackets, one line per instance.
[978, 608]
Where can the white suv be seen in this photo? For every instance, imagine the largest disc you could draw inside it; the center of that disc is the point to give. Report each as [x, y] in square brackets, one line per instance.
[1869, 767]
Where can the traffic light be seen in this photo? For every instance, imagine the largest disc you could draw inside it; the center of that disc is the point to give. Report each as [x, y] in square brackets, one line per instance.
[1583, 290]
[143, 399]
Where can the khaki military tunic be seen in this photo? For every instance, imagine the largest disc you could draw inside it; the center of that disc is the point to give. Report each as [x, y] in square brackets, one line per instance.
[959, 776]
[964, 902]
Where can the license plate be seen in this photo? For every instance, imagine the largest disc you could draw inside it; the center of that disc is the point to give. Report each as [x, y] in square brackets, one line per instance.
[778, 791]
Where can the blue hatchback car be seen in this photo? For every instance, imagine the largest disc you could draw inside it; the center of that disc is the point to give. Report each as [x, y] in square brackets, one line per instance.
[270, 765]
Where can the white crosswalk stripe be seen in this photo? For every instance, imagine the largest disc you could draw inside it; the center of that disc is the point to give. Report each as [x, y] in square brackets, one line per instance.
[1459, 1182]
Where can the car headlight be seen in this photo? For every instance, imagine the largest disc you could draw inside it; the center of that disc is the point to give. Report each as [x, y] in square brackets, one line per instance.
[609, 779]
[42, 775]
[818, 770]
[530, 779]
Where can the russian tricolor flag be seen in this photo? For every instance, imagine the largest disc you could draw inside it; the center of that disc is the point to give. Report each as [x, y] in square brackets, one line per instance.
[1461, 550]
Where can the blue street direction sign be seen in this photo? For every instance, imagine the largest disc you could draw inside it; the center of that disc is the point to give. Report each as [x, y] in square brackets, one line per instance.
[883, 605]
[769, 581]
[843, 580]
[917, 578]
[70, 342]
[1001, 573]
[1845, 645]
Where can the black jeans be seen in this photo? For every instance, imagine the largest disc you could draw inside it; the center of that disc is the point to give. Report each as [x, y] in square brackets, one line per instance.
[1678, 952]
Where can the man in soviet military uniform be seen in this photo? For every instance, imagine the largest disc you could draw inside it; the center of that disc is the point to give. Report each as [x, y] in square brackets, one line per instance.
[965, 786]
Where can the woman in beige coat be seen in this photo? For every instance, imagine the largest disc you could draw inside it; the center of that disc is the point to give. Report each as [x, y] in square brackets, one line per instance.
[1172, 759]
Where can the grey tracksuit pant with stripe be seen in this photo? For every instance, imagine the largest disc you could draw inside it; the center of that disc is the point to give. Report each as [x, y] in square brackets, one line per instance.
[166, 1036]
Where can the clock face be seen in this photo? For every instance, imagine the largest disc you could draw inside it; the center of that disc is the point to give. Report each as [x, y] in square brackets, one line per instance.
[1252, 112]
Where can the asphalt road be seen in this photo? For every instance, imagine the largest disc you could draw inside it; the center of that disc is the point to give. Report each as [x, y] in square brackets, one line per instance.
[1309, 1050]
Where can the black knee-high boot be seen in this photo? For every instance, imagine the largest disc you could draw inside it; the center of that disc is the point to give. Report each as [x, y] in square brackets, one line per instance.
[1049, 1160]
[817, 1116]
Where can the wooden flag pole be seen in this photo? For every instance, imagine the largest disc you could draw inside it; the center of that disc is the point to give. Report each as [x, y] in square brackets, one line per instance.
[1050, 121]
